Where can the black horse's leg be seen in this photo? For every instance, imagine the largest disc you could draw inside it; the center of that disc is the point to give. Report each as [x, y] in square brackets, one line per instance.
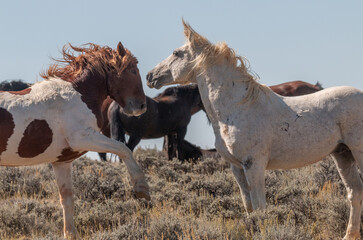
[133, 141]
[103, 157]
[180, 135]
[169, 145]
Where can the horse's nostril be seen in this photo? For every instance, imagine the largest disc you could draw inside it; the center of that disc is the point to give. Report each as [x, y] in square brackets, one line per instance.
[143, 106]
[149, 76]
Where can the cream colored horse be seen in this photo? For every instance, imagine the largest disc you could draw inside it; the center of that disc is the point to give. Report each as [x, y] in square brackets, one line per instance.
[257, 129]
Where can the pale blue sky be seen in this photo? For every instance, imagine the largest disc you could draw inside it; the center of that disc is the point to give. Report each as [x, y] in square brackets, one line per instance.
[283, 40]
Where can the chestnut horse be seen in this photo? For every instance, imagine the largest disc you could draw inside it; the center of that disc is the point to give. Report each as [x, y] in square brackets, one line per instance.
[168, 113]
[296, 88]
[57, 120]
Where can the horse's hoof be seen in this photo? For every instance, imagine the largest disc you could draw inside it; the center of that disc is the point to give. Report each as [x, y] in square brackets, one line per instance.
[145, 195]
[142, 191]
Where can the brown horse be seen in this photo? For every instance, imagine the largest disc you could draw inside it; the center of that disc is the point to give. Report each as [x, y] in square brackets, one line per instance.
[296, 88]
[59, 119]
[168, 113]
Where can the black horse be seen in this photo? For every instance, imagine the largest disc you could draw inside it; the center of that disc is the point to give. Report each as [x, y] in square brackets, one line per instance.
[167, 114]
[13, 85]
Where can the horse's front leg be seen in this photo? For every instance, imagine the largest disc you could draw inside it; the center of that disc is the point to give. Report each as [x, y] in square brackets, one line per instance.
[238, 173]
[180, 135]
[240, 177]
[133, 141]
[63, 175]
[254, 168]
[94, 141]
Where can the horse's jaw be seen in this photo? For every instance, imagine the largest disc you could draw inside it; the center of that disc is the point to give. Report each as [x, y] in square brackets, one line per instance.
[159, 82]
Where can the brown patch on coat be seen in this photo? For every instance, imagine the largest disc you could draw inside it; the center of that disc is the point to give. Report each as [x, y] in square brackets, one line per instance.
[105, 129]
[7, 126]
[21, 92]
[69, 155]
[37, 137]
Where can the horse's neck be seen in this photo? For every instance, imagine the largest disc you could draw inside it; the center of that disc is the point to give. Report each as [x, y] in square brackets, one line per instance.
[222, 91]
[93, 92]
[220, 88]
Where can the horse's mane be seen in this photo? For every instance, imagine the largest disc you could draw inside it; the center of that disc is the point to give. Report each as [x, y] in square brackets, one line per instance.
[211, 54]
[173, 91]
[98, 59]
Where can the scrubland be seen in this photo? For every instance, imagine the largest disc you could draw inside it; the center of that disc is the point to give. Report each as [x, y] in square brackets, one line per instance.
[189, 201]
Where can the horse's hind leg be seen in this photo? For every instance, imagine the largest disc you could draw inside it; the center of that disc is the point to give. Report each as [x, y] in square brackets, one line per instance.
[358, 156]
[348, 171]
[63, 175]
[103, 156]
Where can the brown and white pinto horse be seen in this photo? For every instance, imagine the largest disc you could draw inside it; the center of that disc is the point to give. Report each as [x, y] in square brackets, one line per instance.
[58, 119]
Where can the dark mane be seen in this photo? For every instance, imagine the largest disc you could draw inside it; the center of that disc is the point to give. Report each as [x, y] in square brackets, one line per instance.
[13, 85]
[174, 91]
[98, 59]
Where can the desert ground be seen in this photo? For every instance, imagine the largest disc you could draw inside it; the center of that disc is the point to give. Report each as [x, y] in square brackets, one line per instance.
[190, 200]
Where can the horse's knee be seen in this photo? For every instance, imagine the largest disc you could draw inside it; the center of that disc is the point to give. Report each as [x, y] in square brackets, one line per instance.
[66, 196]
[355, 196]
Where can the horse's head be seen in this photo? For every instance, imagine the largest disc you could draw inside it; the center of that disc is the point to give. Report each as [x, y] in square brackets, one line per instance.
[124, 85]
[180, 67]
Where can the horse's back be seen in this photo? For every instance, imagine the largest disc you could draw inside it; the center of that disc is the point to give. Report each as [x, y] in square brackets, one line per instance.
[34, 123]
[315, 124]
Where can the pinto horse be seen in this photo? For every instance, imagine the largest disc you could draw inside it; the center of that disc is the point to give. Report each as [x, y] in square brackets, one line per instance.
[168, 113]
[256, 129]
[57, 120]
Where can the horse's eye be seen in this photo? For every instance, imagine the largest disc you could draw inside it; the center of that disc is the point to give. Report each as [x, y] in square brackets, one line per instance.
[133, 71]
[176, 54]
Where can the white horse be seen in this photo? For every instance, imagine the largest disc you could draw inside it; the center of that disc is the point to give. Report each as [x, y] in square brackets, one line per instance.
[59, 119]
[257, 129]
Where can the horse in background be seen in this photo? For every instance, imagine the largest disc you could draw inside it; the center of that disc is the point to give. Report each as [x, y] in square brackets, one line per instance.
[296, 88]
[13, 85]
[293, 88]
[257, 129]
[58, 120]
[168, 113]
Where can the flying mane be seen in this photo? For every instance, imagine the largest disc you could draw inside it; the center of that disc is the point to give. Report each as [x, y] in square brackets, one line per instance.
[98, 59]
[212, 54]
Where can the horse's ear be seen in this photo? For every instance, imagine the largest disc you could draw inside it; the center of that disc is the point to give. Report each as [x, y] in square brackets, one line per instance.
[121, 50]
[188, 31]
[195, 39]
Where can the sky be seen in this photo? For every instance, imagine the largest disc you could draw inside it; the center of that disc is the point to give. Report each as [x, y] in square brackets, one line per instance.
[284, 40]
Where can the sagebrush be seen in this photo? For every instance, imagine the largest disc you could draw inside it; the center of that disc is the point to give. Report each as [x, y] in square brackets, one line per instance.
[189, 201]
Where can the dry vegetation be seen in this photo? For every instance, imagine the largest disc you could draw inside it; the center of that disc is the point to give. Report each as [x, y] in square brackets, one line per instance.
[189, 201]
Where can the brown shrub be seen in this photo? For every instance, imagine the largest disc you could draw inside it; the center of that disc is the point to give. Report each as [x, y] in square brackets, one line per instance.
[189, 201]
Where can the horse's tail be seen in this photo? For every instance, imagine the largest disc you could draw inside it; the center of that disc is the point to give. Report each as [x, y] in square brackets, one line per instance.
[319, 86]
[116, 129]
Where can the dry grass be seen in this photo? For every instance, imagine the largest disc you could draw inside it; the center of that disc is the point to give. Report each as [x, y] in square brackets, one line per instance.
[189, 201]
